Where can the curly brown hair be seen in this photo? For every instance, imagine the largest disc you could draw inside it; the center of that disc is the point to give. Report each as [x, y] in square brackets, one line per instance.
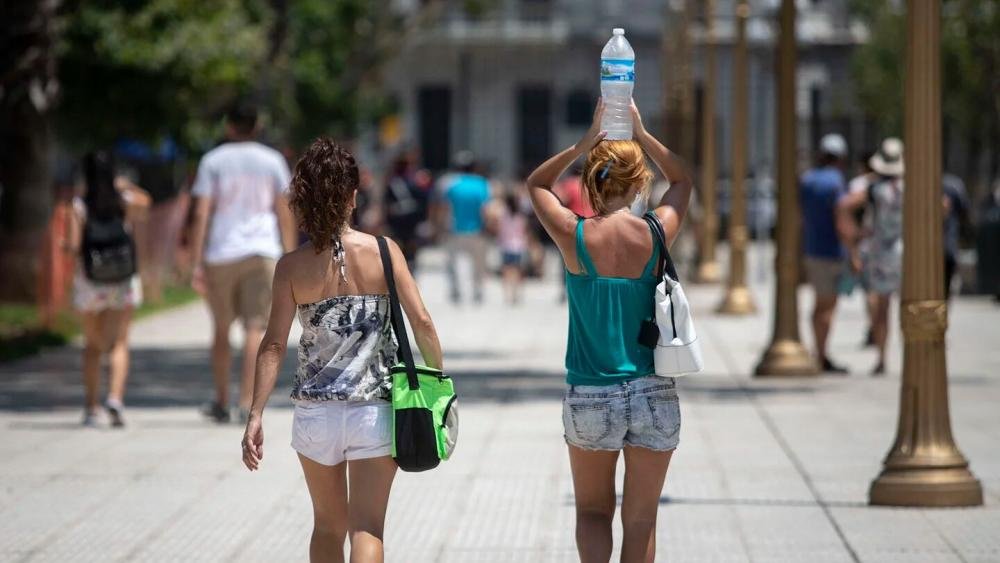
[322, 191]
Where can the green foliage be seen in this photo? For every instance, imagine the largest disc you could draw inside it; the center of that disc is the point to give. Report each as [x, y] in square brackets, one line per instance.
[333, 53]
[970, 57]
[22, 333]
[149, 68]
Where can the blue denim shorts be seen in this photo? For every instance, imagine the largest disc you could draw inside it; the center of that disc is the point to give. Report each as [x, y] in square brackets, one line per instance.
[642, 412]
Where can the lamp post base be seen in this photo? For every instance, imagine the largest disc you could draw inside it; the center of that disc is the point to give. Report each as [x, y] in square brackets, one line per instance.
[708, 272]
[737, 301]
[927, 486]
[786, 358]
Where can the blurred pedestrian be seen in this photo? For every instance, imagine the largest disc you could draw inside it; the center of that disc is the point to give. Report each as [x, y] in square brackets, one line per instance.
[573, 195]
[820, 188]
[461, 201]
[406, 205]
[882, 264]
[956, 210]
[513, 241]
[242, 225]
[106, 286]
[342, 426]
[988, 244]
[862, 217]
[614, 403]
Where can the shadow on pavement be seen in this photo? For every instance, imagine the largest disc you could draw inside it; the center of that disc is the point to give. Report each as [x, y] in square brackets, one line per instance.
[182, 377]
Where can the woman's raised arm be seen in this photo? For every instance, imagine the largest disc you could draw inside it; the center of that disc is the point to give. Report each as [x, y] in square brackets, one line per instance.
[558, 221]
[673, 205]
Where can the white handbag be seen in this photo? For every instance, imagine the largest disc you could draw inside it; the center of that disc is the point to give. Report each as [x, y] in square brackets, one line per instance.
[677, 350]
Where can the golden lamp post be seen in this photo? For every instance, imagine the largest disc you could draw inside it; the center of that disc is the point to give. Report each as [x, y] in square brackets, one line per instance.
[708, 265]
[738, 300]
[924, 466]
[678, 100]
[785, 355]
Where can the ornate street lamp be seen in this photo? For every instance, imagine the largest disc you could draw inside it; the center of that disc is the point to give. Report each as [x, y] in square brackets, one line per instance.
[924, 466]
[785, 355]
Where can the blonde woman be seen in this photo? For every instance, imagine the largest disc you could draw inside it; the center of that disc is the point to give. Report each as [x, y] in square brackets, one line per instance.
[614, 403]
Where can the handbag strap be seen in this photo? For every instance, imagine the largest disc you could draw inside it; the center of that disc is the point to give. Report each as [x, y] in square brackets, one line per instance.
[666, 262]
[403, 351]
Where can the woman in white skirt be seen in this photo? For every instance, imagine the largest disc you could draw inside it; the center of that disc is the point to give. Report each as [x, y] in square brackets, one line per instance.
[105, 307]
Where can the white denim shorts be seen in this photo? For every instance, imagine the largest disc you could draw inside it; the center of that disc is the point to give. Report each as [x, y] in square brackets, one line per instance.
[330, 432]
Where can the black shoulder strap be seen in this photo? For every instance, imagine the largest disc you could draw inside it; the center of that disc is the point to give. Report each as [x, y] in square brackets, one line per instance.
[666, 262]
[404, 352]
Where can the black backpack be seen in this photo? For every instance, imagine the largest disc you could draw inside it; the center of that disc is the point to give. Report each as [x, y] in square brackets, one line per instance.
[108, 251]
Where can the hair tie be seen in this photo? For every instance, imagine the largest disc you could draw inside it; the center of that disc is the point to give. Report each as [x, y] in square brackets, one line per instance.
[603, 174]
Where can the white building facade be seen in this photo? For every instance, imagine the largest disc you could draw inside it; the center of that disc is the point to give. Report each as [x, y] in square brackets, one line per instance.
[515, 80]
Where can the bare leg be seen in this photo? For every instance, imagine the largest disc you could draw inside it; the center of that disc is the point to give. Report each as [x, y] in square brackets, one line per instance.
[510, 283]
[645, 471]
[328, 489]
[370, 481]
[478, 251]
[822, 318]
[594, 489]
[118, 326]
[880, 328]
[221, 360]
[451, 267]
[93, 342]
[254, 334]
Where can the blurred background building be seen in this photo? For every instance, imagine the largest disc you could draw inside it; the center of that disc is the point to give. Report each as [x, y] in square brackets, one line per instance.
[514, 80]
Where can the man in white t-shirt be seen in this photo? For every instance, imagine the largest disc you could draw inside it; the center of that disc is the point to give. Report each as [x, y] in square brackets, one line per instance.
[242, 226]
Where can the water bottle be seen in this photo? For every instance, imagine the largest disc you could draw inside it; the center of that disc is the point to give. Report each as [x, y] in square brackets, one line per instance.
[617, 80]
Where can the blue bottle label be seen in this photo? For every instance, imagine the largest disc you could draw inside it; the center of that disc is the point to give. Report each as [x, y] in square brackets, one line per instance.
[618, 70]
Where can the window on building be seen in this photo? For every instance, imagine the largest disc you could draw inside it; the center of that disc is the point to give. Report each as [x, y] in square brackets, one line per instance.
[534, 125]
[579, 108]
[434, 122]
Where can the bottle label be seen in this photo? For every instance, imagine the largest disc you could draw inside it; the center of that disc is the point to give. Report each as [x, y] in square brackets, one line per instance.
[618, 70]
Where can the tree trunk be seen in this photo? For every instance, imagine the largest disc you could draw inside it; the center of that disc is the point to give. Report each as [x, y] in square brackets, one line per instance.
[28, 88]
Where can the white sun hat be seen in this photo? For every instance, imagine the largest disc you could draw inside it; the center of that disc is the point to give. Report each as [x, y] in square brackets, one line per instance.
[888, 161]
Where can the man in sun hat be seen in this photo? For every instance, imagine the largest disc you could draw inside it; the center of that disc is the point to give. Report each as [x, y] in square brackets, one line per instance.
[820, 189]
[882, 263]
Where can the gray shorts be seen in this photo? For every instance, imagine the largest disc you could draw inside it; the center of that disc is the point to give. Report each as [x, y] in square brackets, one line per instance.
[643, 412]
[823, 274]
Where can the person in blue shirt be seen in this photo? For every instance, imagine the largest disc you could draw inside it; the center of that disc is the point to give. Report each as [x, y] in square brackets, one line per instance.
[464, 194]
[820, 189]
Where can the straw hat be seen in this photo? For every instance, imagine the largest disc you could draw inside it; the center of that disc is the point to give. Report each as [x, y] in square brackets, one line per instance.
[888, 161]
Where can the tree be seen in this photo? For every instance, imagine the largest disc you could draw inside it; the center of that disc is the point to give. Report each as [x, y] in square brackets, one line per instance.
[155, 69]
[28, 89]
[970, 78]
[149, 69]
[334, 52]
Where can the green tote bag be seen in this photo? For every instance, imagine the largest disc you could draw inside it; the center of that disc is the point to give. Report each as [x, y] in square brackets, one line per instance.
[424, 403]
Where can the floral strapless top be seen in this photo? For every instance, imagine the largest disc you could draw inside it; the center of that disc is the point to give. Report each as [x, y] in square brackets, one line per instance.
[346, 349]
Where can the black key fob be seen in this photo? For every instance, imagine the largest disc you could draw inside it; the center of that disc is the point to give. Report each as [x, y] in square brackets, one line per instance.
[649, 334]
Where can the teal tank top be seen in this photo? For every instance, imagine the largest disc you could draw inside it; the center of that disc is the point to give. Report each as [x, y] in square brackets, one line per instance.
[605, 315]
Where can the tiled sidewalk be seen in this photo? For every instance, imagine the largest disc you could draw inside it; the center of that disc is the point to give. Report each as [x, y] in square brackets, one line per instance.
[767, 470]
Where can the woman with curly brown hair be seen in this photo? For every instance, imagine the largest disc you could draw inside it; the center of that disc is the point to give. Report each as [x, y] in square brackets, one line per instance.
[343, 418]
[614, 404]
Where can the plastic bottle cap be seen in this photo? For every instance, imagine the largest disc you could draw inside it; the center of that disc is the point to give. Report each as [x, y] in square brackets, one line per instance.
[618, 31]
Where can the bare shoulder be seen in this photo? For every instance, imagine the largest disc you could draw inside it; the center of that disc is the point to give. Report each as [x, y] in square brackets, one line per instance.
[298, 260]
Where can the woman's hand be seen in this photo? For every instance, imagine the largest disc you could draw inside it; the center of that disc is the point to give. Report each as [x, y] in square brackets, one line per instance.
[638, 130]
[253, 443]
[593, 135]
